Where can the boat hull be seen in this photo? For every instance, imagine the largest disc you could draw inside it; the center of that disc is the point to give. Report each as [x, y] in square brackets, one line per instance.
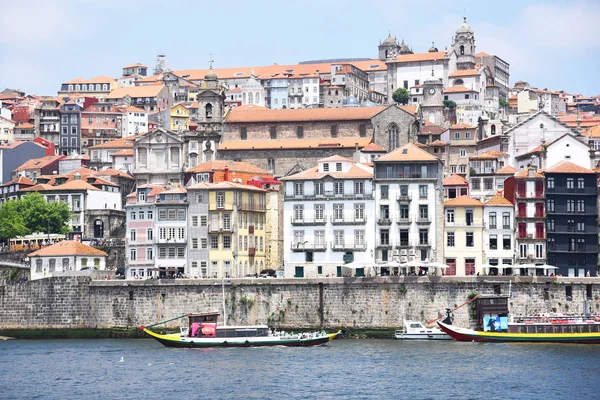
[470, 335]
[422, 336]
[175, 340]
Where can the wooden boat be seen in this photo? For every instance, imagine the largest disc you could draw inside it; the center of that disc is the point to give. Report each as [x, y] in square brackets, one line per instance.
[414, 330]
[558, 330]
[202, 331]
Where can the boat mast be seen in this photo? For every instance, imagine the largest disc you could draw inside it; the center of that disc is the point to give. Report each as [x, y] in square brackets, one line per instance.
[224, 310]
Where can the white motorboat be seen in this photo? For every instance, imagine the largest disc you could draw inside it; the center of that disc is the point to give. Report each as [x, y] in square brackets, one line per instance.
[414, 330]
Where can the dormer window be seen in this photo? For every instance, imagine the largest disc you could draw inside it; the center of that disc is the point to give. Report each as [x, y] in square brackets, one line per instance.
[142, 197]
[326, 167]
[338, 167]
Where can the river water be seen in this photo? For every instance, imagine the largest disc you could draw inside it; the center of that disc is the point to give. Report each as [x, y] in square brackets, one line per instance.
[342, 369]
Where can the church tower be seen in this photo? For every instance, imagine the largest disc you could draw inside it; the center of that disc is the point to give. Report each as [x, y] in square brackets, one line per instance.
[388, 47]
[464, 46]
[432, 107]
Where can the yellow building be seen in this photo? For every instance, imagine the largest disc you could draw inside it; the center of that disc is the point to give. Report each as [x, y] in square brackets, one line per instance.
[236, 229]
[463, 236]
[180, 118]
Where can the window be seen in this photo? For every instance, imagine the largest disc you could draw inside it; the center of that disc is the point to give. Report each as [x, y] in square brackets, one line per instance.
[325, 167]
[298, 212]
[550, 205]
[570, 206]
[404, 211]
[243, 133]
[298, 188]
[338, 238]
[463, 153]
[488, 183]
[194, 243]
[333, 131]
[456, 135]
[203, 243]
[319, 188]
[476, 184]
[539, 251]
[580, 226]
[338, 167]
[493, 242]
[359, 188]
[132, 215]
[580, 183]
[463, 169]
[273, 131]
[300, 131]
[422, 191]
[453, 169]
[550, 223]
[359, 238]
[319, 212]
[492, 220]
[319, 239]
[362, 130]
[506, 242]
[338, 188]
[133, 255]
[450, 240]
[132, 235]
[226, 242]
[220, 200]
[203, 220]
[194, 220]
[570, 184]
[580, 206]
[470, 240]
[384, 191]
[467, 135]
[522, 251]
[359, 212]
[338, 212]
[405, 84]
[423, 237]
[141, 215]
[550, 182]
[150, 215]
[214, 242]
[423, 212]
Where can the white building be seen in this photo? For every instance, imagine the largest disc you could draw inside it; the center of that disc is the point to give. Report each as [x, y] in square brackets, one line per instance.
[171, 228]
[253, 92]
[135, 120]
[329, 219]
[499, 233]
[487, 173]
[67, 255]
[409, 206]
[566, 147]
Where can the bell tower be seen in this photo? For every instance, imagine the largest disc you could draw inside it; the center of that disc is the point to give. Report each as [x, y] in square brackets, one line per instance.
[432, 106]
[464, 46]
[388, 47]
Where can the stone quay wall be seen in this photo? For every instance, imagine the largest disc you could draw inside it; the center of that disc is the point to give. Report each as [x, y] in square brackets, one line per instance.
[88, 302]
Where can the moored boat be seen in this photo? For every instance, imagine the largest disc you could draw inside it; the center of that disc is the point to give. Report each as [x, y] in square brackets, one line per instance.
[415, 330]
[202, 331]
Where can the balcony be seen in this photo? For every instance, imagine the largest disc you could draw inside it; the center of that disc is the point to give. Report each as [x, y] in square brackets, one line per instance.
[402, 221]
[348, 221]
[403, 197]
[573, 192]
[534, 216]
[423, 245]
[251, 251]
[529, 195]
[423, 220]
[328, 195]
[307, 246]
[308, 221]
[531, 236]
[402, 244]
[384, 244]
[251, 229]
[219, 229]
[384, 221]
[171, 241]
[250, 207]
[348, 246]
[558, 248]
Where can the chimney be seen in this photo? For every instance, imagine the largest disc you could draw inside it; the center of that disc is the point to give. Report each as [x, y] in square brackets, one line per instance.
[356, 147]
[77, 176]
[226, 173]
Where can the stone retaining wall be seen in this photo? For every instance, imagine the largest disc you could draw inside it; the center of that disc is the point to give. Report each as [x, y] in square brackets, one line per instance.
[381, 302]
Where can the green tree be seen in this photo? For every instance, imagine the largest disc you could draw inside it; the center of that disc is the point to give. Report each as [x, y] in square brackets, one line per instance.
[449, 104]
[503, 103]
[32, 213]
[401, 96]
[12, 223]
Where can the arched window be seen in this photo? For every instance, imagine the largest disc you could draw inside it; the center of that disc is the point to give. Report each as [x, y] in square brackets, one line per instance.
[105, 87]
[386, 54]
[257, 98]
[393, 136]
[458, 82]
[250, 98]
[84, 87]
[493, 129]
[70, 88]
[98, 86]
[77, 88]
[462, 50]
[336, 92]
[208, 110]
[244, 98]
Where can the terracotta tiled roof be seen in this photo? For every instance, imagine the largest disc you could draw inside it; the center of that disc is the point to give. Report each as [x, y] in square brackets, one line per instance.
[98, 79]
[481, 54]
[132, 109]
[75, 184]
[233, 166]
[465, 72]
[434, 55]
[458, 89]
[593, 132]
[302, 115]
[21, 180]
[114, 172]
[507, 170]
[431, 128]
[335, 158]
[462, 125]
[355, 172]
[39, 162]
[25, 125]
[567, 167]
[135, 91]
[463, 201]
[83, 171]
[498, 200]
[121, 143]
[225, 186]
[524, 173]
[38, 187]
[134, 65]
[488, 155]
[266, 144]
[438, 143]
[123, 153]
[373, 148]
[455, 180]
[408, 152]
[175, 190]
[68, 248]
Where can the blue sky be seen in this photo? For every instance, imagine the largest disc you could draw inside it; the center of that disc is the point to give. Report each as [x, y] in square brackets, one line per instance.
[551, 44]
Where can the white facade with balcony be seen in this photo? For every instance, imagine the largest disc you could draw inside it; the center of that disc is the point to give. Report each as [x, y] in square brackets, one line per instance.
[499, 235]
[329, 219]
